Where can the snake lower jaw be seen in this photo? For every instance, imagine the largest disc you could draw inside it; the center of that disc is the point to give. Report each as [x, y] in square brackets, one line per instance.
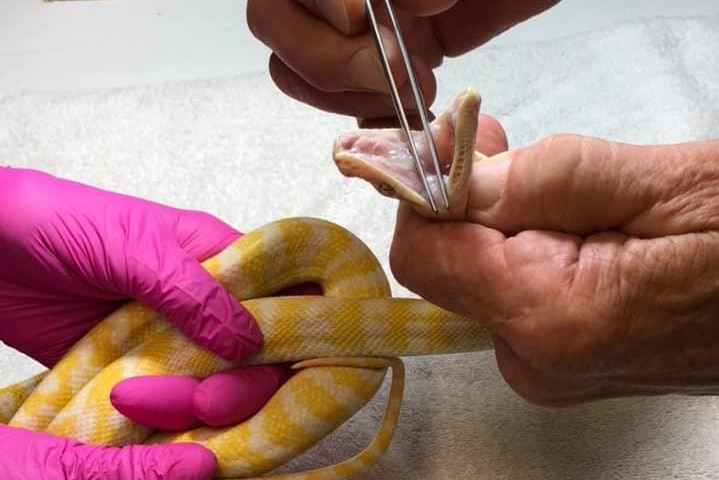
[382, 158]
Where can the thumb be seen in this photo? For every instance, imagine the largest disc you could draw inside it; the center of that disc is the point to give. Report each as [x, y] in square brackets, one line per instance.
[28, 454]
[582, 185]
[177, 286]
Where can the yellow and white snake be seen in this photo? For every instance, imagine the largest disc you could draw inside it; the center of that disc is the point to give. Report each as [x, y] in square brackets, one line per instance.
[343, 342]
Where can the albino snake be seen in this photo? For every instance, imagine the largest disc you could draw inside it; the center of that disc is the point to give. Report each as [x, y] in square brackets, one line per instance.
[344, 340]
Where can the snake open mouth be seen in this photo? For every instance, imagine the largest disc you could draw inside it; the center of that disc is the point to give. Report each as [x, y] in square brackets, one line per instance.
[382, 156]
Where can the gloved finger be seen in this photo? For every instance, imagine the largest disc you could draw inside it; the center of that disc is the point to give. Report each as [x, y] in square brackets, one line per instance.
[178, 287]
[233, 396]
[178, 402]
[582, 185]
[162, 402]
[35, 455]
[202, 235]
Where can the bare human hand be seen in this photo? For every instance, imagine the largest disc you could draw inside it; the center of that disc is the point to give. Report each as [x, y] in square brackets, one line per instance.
[593, 263]
[325, 56]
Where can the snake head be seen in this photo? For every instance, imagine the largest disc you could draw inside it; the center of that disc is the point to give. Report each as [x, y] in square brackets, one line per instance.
[383, 158]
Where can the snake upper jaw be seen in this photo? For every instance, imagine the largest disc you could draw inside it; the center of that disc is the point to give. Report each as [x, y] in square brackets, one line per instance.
[382, 158]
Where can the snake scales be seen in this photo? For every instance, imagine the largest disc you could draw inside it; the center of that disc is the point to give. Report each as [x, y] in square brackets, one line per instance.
[343, 341]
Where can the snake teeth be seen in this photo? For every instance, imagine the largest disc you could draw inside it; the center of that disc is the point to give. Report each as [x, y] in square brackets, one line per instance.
[382, 156]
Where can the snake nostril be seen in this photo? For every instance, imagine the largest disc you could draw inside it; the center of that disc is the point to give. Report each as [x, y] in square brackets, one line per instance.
[386, 190]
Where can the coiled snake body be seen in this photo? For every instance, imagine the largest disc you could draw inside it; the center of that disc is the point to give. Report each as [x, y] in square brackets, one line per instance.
[344, 341]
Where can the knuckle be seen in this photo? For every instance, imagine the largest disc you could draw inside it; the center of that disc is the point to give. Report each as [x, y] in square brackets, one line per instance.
[572, 150]
[565, 145]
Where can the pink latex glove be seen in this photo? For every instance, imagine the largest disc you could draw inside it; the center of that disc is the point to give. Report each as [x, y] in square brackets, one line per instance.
[177, 403]
[70, 255]
[32, 455]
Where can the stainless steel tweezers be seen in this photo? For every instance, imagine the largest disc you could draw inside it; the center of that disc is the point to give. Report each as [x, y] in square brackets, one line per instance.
[399, 108]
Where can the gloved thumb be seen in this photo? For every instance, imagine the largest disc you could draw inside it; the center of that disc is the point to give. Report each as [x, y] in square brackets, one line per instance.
[178, 402]
[28, 454]
[176, 285]
[581, 185]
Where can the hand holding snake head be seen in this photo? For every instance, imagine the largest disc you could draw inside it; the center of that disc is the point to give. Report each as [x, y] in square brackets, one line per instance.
[591, 262]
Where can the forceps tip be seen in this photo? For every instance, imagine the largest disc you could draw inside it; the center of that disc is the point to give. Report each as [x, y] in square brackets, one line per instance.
[399, 108]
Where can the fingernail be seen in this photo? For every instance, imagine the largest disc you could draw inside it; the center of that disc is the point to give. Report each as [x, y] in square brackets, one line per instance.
[364, 70]
[336, 13]
[490, 178]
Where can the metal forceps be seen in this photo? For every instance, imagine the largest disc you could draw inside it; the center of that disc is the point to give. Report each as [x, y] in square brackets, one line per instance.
[399, 108]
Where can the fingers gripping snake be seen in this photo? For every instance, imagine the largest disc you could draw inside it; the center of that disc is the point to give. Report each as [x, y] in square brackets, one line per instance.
[343, 342]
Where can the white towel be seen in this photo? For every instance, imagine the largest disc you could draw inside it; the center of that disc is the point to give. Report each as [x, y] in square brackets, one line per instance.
[238, 148]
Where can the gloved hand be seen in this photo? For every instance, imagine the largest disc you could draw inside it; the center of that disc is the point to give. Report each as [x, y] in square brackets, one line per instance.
[70, 255]
[33, 455]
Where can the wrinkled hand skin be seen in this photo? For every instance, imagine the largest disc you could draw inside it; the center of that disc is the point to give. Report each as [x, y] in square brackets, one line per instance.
[337, 67]
[594, 264]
